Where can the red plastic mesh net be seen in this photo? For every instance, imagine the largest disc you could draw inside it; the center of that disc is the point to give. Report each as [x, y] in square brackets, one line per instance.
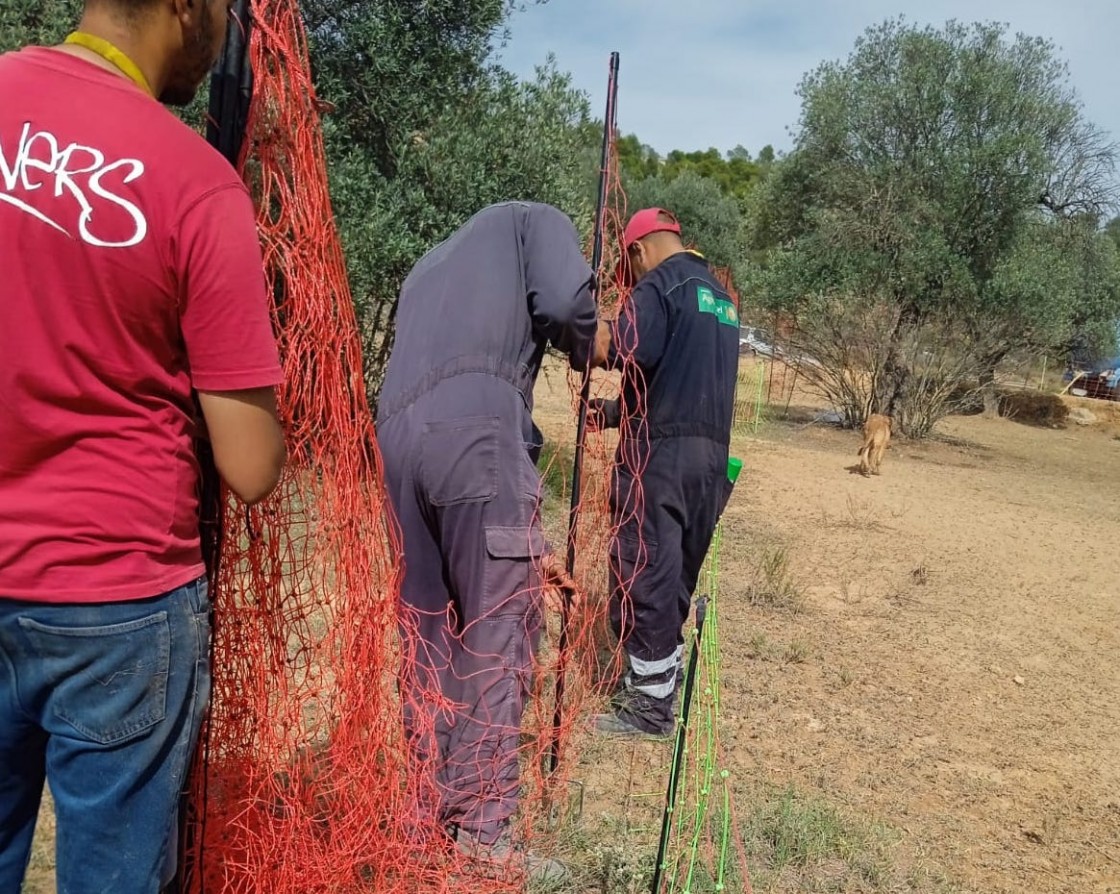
[304, 782]
[301, 768]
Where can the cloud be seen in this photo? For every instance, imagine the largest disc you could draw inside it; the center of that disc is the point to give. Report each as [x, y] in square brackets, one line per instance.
[725, 72]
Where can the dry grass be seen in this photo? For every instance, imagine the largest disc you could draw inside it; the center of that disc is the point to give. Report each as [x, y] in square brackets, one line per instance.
[40, 872]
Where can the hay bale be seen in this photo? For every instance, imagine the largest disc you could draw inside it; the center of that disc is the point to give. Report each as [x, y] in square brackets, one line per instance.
[1034, 408]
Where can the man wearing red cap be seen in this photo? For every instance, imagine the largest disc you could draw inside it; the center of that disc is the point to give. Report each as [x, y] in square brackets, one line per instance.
[676, 342]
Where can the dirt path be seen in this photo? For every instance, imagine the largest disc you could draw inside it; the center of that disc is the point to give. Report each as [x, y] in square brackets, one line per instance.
[959, 672]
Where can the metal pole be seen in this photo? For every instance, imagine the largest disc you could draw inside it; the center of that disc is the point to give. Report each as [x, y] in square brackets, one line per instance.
[231, 88]
[609, 120]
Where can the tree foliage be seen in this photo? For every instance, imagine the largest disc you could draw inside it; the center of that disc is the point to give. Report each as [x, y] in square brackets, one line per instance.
[942, 179]
[391, 67]
[473, 154]
[709, 218]
[637, 160]
[734, 173]
[1112, 230]
[425, 131]
[38, 22]
[943, 208]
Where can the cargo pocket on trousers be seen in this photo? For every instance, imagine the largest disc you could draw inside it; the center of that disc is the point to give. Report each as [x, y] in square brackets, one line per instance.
[113, 679]
[459, 460]
[511, 577]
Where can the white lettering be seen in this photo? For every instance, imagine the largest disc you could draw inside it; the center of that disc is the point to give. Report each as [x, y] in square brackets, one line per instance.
[81, 175]
[133, 212]
[11, 171]
[30, 163]
[64, 172]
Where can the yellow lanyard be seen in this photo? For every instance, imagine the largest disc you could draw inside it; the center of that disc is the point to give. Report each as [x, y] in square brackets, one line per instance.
[113, 56]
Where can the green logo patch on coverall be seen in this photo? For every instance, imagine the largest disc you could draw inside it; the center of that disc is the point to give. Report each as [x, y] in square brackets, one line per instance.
[724, 310]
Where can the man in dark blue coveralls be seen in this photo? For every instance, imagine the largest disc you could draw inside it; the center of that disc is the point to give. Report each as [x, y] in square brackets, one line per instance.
[459, 446]
[677, 344]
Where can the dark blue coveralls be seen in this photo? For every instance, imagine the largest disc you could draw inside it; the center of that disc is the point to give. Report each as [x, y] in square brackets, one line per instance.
[459, 446]
[677, 344]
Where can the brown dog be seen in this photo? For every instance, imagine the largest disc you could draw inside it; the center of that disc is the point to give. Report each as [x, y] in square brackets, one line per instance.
[876, 438]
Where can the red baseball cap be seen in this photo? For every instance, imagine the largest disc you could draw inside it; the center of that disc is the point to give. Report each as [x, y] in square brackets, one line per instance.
[647, 221]
[639, 226]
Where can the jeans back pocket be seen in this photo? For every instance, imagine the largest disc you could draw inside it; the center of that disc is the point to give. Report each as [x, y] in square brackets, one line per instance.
[111, 680]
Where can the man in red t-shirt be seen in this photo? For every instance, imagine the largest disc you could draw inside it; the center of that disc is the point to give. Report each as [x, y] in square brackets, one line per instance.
[131, 278]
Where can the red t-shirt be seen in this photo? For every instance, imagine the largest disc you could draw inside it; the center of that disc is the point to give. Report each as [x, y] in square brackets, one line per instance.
[130, 272]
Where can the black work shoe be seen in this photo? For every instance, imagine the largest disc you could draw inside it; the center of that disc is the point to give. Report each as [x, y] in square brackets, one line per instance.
[614, 724]
[504, 855]
[651, 717]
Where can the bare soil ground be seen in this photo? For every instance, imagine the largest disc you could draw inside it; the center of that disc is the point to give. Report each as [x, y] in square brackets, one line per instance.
[936, 649]
[962, 624]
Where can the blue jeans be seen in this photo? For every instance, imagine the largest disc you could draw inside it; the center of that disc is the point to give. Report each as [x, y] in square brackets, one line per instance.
[104, 702]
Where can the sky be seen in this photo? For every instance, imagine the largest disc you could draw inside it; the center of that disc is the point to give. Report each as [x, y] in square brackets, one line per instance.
[725, 72]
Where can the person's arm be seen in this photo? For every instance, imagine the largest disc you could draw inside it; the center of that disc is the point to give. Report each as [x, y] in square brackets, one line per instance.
[601, 353]
[641, 332]
[246, 439]
[231, 350]
[558, 282]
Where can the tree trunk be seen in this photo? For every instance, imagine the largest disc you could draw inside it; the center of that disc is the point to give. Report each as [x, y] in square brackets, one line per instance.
[988, 390]
[890, 395]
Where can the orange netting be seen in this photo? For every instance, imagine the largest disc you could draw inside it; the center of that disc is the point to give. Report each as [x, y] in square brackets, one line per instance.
[305, 781]
[302, 767]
